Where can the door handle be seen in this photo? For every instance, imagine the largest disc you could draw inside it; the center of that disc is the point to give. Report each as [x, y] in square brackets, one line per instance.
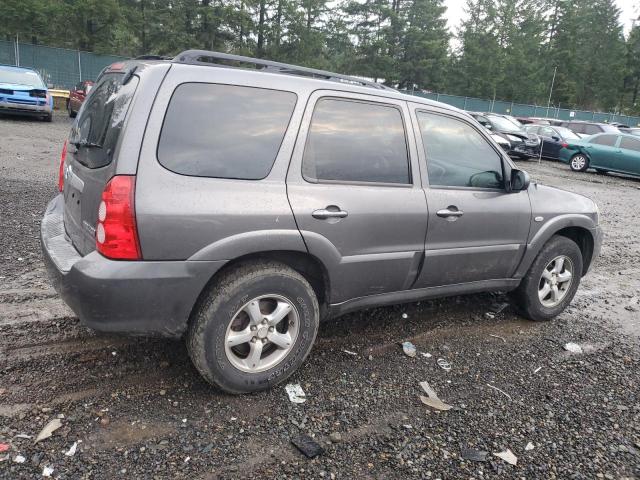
[325, 213]
[450, 212]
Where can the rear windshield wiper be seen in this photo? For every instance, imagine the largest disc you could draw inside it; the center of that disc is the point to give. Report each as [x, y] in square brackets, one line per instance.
[85, 144]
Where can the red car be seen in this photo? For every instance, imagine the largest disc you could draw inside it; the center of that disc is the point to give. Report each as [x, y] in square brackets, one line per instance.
[77, 96]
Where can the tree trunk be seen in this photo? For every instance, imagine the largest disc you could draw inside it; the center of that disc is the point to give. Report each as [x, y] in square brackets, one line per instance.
[263, 11]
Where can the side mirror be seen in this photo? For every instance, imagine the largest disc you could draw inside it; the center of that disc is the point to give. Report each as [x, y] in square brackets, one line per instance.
[519, 180]
[487, 126]
[555, 138]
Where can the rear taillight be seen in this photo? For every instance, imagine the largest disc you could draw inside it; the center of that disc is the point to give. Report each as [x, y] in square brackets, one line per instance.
[116, 231]
[63, 157]
[564, 145]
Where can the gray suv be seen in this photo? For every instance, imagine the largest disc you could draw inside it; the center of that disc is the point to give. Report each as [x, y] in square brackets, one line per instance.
[237, 202]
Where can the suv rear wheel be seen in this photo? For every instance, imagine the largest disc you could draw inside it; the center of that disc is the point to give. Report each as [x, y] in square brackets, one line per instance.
[552, 280]
[254, 328]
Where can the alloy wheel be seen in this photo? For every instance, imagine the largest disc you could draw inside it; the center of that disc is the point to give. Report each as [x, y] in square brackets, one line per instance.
[261, 333]
[555, 281]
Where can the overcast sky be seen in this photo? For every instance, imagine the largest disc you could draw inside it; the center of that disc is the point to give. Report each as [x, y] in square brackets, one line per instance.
[455, 12]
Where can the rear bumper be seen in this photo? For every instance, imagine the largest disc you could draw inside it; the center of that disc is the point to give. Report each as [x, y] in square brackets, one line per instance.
[140, 298]
[11, 108]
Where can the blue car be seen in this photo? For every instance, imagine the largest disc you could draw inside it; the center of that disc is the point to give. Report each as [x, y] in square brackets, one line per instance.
[22, 92]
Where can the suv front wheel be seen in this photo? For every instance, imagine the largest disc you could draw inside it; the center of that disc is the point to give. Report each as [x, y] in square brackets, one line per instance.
[552, 280]
[254, 328]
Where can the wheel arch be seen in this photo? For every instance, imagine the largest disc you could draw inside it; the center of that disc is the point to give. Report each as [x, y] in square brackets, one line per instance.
[307, 265]
[585, 241]
[579, 228]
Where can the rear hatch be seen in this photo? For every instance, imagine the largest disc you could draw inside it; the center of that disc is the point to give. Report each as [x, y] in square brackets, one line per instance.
[91, 154]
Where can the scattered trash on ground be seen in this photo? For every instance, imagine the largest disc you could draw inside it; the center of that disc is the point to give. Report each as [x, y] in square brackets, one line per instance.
[474, 455]
[508, 457]
[405, 316]
[426, 354]
[409, 349]
[47, 471]
[489, 315]
[335, 437]
[349, 352]
[497, 308]
[432, 400]
[307, 445]
[72, 451]
[443, 364]
[573, 347]
[529, 446]
[19, 459]
[498, 336]
[295, 392]
[4, 447]
[537, 370]
[500, 390]
[48, 430]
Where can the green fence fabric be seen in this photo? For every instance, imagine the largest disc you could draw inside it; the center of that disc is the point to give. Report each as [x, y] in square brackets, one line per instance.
[59, 67]
[63, 68]
[523, 110]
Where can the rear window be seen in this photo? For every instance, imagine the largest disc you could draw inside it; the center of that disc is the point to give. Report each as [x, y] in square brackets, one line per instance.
[224, 131]
[27, 78]
[97, 128]
[608, 140]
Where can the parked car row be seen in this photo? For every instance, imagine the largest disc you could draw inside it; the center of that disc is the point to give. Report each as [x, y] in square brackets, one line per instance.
[583, 145]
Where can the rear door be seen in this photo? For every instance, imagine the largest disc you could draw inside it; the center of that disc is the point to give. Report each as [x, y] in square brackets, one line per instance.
[91, 150]
[551, 142]
[477, 231]
[603, 151]
[630, 148]
[354, 187]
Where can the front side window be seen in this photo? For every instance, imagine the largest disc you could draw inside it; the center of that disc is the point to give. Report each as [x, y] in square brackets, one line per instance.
[352, 141]
[630, 144]
[224, 131]
[457, 154]
[608, 140]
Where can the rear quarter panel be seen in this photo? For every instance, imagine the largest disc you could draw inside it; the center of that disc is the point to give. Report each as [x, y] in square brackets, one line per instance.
[184, 217]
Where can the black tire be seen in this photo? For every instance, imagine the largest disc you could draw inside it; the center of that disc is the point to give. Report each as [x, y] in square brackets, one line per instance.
[525, 297]
[48, 118]
[577, 165]
[72, 114]
[209, 323]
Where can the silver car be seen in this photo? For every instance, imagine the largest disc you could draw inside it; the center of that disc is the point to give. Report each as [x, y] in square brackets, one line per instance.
[237, 202]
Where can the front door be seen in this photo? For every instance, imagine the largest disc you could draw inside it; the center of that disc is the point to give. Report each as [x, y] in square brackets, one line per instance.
[477, 231]
[551, 142]
[356, 194]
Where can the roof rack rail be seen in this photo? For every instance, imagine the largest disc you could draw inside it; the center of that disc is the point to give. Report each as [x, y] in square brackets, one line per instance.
[152, 57]
[204, 57]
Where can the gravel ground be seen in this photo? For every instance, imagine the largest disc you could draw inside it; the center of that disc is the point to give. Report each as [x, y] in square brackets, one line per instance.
[138, 409]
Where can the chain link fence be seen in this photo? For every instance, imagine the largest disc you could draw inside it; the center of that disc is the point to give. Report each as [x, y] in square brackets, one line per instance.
[63, 68]
[59, 67]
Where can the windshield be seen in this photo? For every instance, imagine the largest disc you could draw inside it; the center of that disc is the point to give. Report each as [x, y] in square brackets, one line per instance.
[567, 134]
[503, 124]
[21, 77]
[514, 120]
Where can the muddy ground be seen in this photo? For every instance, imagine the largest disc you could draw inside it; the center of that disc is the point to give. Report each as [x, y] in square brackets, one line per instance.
[138, 409]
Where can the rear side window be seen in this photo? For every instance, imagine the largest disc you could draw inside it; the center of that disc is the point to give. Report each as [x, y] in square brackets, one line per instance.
[354, 141]
[592, 129]
[224, 131]
[457, 155]
[608, 140]
[630, 144]
[97, 128]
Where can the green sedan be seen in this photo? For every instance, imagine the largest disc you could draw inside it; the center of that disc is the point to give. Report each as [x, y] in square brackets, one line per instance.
[604, 152]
